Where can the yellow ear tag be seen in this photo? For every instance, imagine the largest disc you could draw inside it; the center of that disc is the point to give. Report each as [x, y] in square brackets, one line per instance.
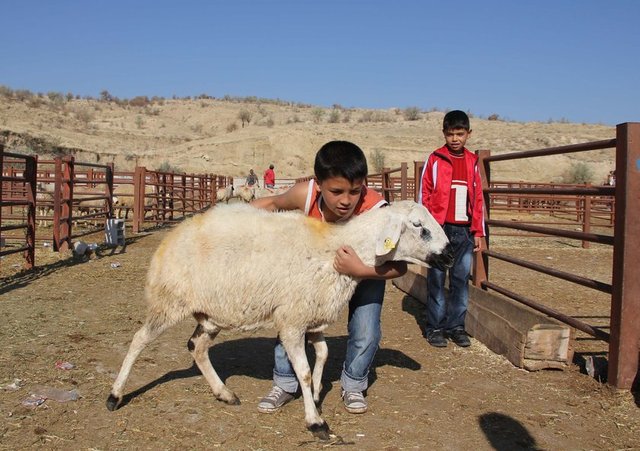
[388, 244]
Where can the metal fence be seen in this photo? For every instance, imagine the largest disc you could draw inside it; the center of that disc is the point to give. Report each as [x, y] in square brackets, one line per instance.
[624, 336]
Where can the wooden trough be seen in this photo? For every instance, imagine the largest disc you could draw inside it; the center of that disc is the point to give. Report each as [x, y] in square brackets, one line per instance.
[527, 338]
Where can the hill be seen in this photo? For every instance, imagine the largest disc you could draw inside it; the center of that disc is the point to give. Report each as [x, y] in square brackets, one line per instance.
[207, 135]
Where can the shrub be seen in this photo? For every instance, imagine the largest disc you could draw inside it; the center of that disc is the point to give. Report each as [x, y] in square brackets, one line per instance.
[317, 114]
[6, 91]
[85, 116]
[579, 173]
[493, 117]
[140, 101]
[411, 113]
[168, 167]
[232, 127]
[376, 158]
[139, 122]
[334, 116]
[245, 116]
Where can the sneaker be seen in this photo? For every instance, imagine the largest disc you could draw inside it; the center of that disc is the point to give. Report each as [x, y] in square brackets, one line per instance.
[275, 399]
[460, 337]
[354, 401]
[436, 338]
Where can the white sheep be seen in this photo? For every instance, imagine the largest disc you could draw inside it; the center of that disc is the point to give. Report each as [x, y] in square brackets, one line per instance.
[239, 267]
[246, 193]
[224, 194]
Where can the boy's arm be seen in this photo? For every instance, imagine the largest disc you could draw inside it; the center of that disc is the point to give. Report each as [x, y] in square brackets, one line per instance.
[347, 262]
[292, 199]
[426, 183]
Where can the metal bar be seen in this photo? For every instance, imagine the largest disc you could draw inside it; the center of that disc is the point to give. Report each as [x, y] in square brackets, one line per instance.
[595, 145]
[14, 251]
[589, 283]
[595, 238]
[13, 203]
[6, 228]
[586, 328]
[575, 191]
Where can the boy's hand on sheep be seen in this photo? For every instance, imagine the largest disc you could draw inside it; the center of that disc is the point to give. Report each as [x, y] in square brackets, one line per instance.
[348, 263]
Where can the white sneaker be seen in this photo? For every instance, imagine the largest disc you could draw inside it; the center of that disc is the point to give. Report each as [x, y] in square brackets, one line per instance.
[275, 399]
[354, 401]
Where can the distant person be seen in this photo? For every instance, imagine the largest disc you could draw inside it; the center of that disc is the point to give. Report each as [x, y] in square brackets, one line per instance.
[451, 190]
[252, 179]
[269, 178]
[611, 178]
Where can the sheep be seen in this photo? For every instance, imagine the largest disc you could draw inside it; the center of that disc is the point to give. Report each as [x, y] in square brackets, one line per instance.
[224, 194]
[246, 193]
[45, 193]
[239, 267]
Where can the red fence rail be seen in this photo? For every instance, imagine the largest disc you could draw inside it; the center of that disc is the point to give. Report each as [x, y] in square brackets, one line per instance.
[19, 191]
[624, 336]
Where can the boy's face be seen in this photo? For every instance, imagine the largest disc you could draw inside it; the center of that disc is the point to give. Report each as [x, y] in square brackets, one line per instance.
[456, 138]
[340, 197]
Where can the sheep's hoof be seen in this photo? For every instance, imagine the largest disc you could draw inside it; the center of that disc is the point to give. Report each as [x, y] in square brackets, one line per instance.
[112, 402]
[320, 431]
[233, 401]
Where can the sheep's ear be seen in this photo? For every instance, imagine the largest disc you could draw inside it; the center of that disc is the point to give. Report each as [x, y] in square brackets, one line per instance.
[388, 238]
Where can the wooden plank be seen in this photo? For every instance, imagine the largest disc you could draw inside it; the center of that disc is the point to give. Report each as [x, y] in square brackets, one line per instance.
[527, 338]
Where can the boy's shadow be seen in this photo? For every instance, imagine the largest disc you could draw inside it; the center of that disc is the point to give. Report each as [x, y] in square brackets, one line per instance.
[416, 309]
[253, 357]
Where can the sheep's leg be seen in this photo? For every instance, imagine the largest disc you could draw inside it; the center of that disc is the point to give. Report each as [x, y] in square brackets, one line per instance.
[145, 335]
[293, 342]
[199, 345]
[322, 352]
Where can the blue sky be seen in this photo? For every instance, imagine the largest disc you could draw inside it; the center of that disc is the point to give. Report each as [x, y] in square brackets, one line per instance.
[577, 60]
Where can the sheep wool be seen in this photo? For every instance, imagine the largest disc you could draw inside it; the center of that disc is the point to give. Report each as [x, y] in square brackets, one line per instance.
[239, 267]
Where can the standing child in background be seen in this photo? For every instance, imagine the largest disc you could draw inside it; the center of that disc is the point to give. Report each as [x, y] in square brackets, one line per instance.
[251, 179]
[451, 189]
[269, 178]
[336, 195]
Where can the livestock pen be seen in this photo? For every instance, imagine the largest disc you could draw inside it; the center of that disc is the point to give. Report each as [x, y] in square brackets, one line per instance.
[623, 337]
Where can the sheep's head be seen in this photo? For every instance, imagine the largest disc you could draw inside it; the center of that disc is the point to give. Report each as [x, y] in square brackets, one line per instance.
[412, 235]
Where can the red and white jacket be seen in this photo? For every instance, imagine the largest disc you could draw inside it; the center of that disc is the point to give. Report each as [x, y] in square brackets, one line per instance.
[436, 187]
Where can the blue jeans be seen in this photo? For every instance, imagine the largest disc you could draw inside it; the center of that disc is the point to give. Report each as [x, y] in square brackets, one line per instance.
[364, 330]
[442, 315]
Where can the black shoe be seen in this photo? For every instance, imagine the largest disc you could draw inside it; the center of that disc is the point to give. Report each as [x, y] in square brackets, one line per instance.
[460, 337]
[436, 338]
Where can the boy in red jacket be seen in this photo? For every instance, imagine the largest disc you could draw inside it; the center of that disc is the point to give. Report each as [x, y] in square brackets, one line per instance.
[451, 190]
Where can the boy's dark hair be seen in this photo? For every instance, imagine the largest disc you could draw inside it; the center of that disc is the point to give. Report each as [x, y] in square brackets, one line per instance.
[456, 119]
[340, 159]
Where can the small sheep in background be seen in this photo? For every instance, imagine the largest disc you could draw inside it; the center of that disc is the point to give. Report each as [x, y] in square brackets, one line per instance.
[239, 267]
[224, 194]
[246, 193]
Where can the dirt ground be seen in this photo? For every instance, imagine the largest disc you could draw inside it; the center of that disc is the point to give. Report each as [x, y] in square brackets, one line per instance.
[85, 313]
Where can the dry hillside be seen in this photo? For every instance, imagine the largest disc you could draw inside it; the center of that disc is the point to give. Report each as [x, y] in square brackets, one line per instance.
[207, 135]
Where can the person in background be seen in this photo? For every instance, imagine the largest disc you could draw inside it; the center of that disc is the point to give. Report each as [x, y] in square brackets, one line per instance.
[451, 189]
[337, 194]
[252, 178]
[269, 178]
